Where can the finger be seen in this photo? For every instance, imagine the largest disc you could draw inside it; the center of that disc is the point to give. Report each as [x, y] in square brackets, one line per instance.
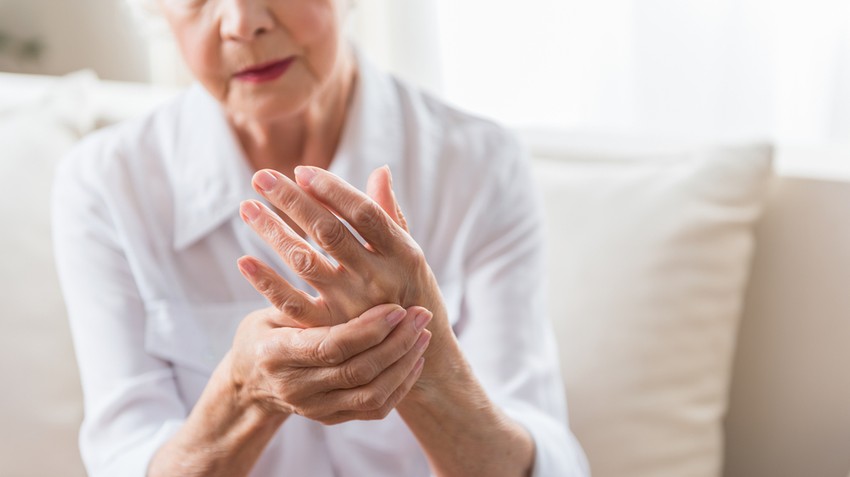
[402, 220]
[399, 215]
[276, 319]
[302, 258]
[375, 394]
[382, 412]
[357, 208]
[314, 218]
[380, 188]
[294, 304]
[330, 346]
[365, 367]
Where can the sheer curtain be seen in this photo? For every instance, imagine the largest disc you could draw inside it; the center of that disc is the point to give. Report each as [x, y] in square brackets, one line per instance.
[713, 69]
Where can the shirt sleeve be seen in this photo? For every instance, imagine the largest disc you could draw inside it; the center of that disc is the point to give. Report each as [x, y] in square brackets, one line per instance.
[131, 402]
[505, 332]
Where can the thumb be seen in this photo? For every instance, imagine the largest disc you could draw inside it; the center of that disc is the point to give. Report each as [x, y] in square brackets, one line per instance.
[380, 188]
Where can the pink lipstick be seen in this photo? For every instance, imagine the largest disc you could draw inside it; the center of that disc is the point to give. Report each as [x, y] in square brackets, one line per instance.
[265, 72]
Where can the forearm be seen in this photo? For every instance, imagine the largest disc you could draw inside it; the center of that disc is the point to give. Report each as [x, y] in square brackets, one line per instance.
[461, 430]
[224, 434]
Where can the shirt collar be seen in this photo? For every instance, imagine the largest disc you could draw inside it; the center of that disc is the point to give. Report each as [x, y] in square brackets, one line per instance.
[210, 175]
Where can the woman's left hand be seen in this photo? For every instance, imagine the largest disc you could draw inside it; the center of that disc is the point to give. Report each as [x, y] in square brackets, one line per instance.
[389, 268]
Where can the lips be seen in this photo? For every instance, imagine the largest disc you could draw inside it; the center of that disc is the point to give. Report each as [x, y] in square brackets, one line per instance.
[265, 71]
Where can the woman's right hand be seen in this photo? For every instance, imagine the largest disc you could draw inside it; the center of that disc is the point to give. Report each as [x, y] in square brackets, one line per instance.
[359, 370]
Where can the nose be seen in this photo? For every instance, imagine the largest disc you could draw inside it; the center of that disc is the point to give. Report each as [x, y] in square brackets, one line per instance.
[245, 20]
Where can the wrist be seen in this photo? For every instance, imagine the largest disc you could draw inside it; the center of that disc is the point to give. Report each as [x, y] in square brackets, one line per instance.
[243, 396]
[223, 434]
[446, 370]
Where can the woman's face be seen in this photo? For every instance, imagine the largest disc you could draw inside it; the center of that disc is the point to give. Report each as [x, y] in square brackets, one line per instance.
[260, 58]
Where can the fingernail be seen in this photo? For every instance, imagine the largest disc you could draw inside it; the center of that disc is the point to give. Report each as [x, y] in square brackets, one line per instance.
[423, 341]
[395, 317]
[247, 267]
[421, 320]
[418, 366]
[250, 210]
[305, 175]
[266, 180]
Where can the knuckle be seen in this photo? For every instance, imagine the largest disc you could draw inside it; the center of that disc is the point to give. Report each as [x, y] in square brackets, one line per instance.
[303, 261]
[292, 307]
[359, 373]
[330, 234]
[369, 400]
[389, 404]
[329, 352]
[264, 285]
[365, 215]
[352, 376]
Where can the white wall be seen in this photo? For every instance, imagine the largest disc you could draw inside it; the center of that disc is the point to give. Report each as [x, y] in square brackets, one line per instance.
[96, 34]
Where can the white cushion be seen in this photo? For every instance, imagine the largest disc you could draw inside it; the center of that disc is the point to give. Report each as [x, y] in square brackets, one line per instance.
[41, 402]
[650, 255]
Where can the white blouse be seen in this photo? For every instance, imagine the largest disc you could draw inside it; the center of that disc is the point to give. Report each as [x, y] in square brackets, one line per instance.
[147, 233]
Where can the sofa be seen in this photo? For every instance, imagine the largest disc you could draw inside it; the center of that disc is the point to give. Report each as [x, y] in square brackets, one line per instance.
[699, 292]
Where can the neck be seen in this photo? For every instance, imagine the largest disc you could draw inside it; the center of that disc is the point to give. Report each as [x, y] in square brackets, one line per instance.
[309, 137]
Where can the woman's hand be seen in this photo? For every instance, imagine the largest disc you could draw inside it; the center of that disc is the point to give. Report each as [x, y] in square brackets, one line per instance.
[388, 268]
[359, 370]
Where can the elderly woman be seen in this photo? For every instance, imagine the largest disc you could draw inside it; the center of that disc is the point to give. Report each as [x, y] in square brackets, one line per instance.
[397, 345]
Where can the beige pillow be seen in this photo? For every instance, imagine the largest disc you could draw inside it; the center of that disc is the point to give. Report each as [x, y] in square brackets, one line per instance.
[41, 402]
[650, 255]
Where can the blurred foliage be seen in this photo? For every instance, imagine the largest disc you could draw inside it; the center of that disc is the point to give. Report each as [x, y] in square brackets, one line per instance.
[29, 49]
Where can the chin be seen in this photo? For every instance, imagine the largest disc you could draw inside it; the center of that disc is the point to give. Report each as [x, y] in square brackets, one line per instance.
[270, 105]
